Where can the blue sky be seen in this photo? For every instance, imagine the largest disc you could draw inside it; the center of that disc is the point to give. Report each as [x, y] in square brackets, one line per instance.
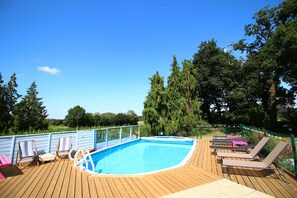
[100, 54]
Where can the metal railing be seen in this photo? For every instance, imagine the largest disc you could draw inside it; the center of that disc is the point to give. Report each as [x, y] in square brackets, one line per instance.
[107, 137]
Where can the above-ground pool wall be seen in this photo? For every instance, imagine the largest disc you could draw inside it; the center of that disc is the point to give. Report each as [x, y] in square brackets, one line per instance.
[46, 143]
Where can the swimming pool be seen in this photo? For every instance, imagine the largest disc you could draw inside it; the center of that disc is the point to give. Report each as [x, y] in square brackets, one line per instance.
[143, 156]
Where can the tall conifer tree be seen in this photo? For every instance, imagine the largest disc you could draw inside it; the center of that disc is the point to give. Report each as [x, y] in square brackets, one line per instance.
[155, 106]
[31, 113]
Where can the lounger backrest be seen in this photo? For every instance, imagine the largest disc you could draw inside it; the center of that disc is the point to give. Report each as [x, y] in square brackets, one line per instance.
[26, 148]
[259, 146]
[280, 147]
[64, 143]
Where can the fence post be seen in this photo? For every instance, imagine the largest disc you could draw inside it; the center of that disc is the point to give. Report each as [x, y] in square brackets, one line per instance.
[130, 132]
[226, 128]
[12, 149]
[294, 153]
[138, 131]
[49, 142]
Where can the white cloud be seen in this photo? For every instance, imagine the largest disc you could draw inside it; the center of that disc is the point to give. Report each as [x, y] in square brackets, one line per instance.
[49, 70]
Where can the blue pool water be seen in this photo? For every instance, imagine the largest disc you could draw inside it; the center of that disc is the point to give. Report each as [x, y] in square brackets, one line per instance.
[141, 156]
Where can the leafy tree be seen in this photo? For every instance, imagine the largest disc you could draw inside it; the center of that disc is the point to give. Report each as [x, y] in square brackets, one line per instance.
[108, 119]
[215, 72]
[89, 120]
[133, 118]
[76, 117]
[30, 112]
[97, 119]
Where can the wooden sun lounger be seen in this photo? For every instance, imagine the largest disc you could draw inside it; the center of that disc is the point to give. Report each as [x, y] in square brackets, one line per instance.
[249, 155]
[265, 164]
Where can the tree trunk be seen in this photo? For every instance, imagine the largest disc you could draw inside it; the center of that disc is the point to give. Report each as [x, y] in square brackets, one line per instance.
[272, 106]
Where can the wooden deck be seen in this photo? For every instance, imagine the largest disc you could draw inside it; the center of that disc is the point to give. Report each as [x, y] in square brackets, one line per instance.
[61, 179]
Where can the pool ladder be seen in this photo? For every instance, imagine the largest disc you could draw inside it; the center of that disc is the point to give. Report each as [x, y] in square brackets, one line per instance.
[85, 158]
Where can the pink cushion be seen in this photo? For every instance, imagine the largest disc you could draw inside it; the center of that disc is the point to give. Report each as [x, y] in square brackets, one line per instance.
[4, 161]
[1, 176]
[231, 136]
[234, 143]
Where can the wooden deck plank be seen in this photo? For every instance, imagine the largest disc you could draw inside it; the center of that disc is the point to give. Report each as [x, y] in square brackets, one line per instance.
[106, 187]
[66, 179]
[157, 184]
[38, 183]
[92, 186]
[144, 188]
[149, 185]
[128, 188]
[262, 183]
[71, 186]
[115, 191]
[268, 182]
[51, 182]
[85, 185]
[99, 187]
[135, 188]
[78, 184]
[120, 187]
[57, 182]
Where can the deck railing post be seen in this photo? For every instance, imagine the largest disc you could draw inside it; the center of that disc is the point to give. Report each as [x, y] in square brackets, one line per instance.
[95, 139]
[121, 131]
[106, 137]
[294, 153]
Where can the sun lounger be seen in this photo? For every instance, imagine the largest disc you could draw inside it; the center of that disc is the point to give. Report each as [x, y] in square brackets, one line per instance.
[265, 164]
[250, 155]
[27, 149]
[227, 141]
[224, 137]
[239, 148]
[64, 146]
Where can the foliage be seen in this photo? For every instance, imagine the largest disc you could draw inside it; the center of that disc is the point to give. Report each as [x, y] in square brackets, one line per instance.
[77, 117]
[216, 72]
[175, 109]
[8, 101]
[155, 105]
